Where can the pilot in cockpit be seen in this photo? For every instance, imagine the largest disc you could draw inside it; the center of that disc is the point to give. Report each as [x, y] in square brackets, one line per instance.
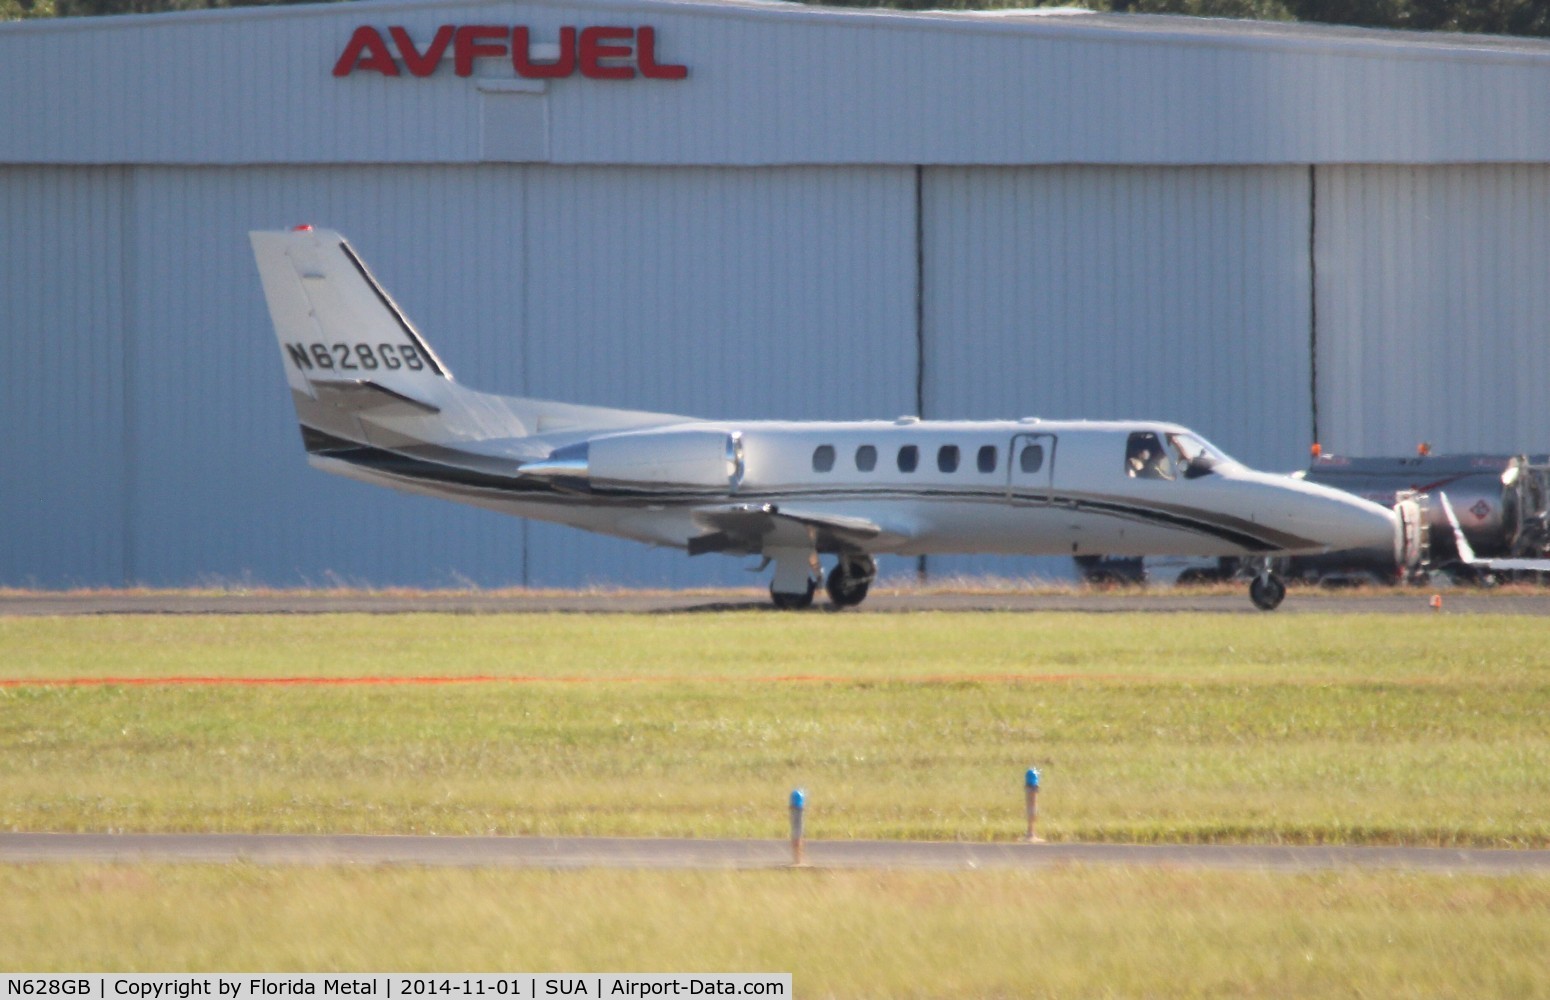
[1145, 457]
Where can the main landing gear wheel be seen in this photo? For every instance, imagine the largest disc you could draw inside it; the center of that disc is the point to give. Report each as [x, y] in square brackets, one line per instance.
[1267, 592]
[849, 581]
[797, 601]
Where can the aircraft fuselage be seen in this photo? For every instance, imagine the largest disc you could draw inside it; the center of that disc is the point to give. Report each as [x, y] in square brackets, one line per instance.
[375, 403]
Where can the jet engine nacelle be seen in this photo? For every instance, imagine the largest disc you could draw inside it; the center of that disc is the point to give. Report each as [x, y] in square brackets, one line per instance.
[667, 461]
[671, 461]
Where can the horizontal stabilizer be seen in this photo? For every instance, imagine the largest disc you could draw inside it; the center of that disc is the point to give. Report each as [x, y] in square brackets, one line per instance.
[360, 371]
[364, 394]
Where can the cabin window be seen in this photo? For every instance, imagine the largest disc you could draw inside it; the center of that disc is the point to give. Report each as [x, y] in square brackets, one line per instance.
[947, 458]
[1145, 457]
[866, 458]
[1031, 459]
[823, 458]
[986, 459]
[909, 458]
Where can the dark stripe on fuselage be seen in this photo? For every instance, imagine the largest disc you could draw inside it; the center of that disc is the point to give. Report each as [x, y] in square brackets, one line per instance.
[408, 466]
[1251, 538]
[1155, 515]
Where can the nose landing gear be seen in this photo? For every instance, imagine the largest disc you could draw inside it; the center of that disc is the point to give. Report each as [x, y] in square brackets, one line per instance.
[1266, 589]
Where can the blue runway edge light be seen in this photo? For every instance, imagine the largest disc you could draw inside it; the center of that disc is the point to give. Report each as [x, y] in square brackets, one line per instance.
[798, 798]
[1031, 780]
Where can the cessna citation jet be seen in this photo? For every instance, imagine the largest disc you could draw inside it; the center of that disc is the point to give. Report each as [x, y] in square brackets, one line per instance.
[377, 404]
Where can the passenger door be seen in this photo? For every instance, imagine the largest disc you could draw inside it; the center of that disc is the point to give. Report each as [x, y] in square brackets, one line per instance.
[1031, 468]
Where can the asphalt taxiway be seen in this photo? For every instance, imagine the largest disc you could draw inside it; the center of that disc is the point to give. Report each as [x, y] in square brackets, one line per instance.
[668, 853]
[1397, 601]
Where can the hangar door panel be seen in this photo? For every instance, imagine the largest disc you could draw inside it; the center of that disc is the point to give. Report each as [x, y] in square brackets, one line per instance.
[222, 489]
[65, 451]
[1123, 292]
[1176, 293]
[1433, 308]
[716, 292]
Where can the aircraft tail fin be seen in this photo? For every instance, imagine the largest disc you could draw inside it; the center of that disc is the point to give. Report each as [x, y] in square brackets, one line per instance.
[335, 322]
[360, 373]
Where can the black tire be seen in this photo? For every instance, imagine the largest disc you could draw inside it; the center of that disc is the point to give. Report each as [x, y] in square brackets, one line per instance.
[1267, 592]
[845, 591]
[795, 602]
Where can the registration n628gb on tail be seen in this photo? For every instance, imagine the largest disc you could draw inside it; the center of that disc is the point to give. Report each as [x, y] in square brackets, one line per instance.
[376, 403]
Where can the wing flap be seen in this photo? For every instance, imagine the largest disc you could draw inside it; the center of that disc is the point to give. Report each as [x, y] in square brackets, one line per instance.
[752, 528]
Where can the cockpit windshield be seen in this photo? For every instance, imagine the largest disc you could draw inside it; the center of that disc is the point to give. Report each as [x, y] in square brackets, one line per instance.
[1195, 455]
[1184, 455]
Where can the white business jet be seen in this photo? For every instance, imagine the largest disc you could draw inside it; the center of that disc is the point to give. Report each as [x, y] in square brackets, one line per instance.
[376, 404]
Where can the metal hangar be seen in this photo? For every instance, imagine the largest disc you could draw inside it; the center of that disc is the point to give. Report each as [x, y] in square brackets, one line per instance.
[1272, 233]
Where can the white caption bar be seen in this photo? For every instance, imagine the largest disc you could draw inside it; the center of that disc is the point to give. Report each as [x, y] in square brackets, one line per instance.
[393, 986]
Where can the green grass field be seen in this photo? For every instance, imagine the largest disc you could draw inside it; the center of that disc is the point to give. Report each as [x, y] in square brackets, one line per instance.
[1146, 727]
[1065, 933]
[1340, 728]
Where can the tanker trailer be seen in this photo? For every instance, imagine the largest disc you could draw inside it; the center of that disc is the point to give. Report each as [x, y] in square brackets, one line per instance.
[1502, 503]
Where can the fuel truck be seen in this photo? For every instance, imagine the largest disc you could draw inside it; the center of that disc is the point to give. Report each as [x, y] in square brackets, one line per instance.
[1502, 503]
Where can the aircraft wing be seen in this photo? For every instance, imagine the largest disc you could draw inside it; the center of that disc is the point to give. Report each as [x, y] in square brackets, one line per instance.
[1467, 552]
[755, 527]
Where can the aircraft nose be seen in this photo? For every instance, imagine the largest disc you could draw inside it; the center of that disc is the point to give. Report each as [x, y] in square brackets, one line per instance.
[1342, 521]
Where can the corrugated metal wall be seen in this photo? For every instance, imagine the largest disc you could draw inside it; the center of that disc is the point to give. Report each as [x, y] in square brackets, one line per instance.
[1433, 308]
[221, 485]
[824, 86]
[1177, 293]
[149, 438]
[1122, 293]
[158, 402]
[65, 449]
[781, 293]
[1118, 219]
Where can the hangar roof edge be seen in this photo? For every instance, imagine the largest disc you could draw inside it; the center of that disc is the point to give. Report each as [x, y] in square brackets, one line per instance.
[1067, 22]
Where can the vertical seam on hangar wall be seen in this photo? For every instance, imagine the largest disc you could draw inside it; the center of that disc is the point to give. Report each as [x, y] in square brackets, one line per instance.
[524, 247]
[920, 292]
[127, 330]
[921, 570]
[1313, 298]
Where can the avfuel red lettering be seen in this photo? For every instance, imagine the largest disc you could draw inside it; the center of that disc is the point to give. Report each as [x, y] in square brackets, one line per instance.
[418, 64]
[477, 42]
[522, 52]
[598, 44]
[646, 58]
[366, 50]
[600, 52]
